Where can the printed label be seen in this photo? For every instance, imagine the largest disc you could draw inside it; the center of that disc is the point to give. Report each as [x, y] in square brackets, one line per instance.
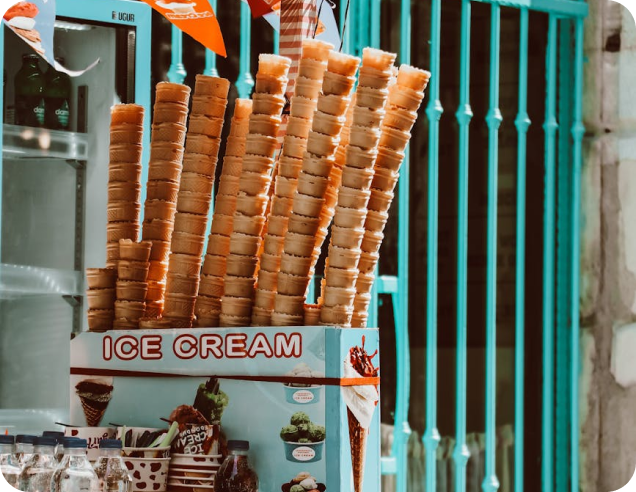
[303, 396]
[304, 453]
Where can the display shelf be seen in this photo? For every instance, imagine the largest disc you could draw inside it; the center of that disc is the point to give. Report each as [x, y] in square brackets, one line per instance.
[23, 142]
[23, 280]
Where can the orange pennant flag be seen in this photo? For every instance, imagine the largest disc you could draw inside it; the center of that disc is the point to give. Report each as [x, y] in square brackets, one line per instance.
[194, 17]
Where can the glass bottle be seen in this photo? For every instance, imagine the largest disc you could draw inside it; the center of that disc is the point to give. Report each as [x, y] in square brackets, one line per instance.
[8, 467]
[235, 474]
[38, 471]
[75, 473]
[59, 448]
[57, 98]
[24, 447]
[111, 469]
[29, 92]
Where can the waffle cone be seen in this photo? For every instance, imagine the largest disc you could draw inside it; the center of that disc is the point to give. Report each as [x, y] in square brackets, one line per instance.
[358, 439]
[93, 411]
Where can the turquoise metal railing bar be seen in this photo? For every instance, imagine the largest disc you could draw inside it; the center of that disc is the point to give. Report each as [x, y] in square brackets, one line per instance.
[493, 120]
[345, 28]
[550, 128]
[177, 72]
[464, 115]
[401, 299]
[374, 20]
[578, 130]
[434, 112]
[562, 278]
[210, 56]
[245, 81]
[522, 122]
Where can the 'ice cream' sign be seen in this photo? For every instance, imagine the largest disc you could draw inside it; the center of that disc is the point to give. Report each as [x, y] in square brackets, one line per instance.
[204, 346]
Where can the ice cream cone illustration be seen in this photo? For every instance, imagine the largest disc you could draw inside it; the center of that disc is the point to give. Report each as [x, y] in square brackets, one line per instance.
[94, 396]
[361, 402]
[358, 439]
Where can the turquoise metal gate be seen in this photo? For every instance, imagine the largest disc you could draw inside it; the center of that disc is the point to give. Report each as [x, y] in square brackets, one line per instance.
[561, 167]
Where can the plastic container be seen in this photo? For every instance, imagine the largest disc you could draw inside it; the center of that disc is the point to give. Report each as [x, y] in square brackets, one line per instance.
[111, 468]
[75, 471]
[38, 471]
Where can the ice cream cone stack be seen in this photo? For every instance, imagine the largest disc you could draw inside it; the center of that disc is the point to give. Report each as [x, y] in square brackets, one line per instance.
[101, 298]
[309, 198]
[312, 66]
[358, 439]
[354, 192]
[194, 198]
[124, 178]
[132, 283]
[208, 303]
[252, 198]
[164, 175]
[401, 113]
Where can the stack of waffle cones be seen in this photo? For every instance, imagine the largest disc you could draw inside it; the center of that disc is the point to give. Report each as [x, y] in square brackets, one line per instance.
[124, 178]
[253, 195]
[208, 304]
[312, 66]
[195, 196]
[132, 283]
[164, 175]
[404, 100]
[348, 230]
[309, 200]
[101, 298]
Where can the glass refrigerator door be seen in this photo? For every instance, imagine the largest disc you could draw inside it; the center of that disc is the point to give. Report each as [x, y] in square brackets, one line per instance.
[53, 207]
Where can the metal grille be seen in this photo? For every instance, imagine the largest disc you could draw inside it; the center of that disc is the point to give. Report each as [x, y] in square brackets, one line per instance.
[545, 217]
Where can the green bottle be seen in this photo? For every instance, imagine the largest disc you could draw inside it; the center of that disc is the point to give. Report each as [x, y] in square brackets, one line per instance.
[29, 92]
[57, 96]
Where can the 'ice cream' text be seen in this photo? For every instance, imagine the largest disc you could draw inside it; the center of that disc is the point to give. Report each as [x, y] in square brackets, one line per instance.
[205, 346]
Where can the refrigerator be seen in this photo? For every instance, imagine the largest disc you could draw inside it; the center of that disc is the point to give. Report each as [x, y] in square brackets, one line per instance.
[53, 201]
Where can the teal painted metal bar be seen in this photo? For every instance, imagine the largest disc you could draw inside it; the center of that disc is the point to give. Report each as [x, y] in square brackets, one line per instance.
[177, 72]
[522, 123]
[245, 81]
[434, 112]
[374, 21]
[402, 430]
[563, 239]
[567, 8]
[210, 57]
[550, 127]
[578, 130]
[345, 28]
[493, 119]
[464, 115]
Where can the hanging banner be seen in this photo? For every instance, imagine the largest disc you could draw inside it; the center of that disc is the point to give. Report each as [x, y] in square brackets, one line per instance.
[34, 22]
[194, 18]
[326, 30]
[260, 8]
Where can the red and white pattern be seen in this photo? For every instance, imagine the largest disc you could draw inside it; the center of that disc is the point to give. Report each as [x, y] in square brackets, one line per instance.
[297, 22]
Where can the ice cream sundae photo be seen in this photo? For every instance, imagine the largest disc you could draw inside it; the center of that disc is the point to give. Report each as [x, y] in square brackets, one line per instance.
[302, 393]
[303, 439]
[361, 403]
[304, 482]
[21, 18]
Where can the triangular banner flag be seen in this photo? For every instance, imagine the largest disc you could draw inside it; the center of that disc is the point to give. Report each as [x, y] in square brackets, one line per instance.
[194, 18]
[34, 23]
[260, 8]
